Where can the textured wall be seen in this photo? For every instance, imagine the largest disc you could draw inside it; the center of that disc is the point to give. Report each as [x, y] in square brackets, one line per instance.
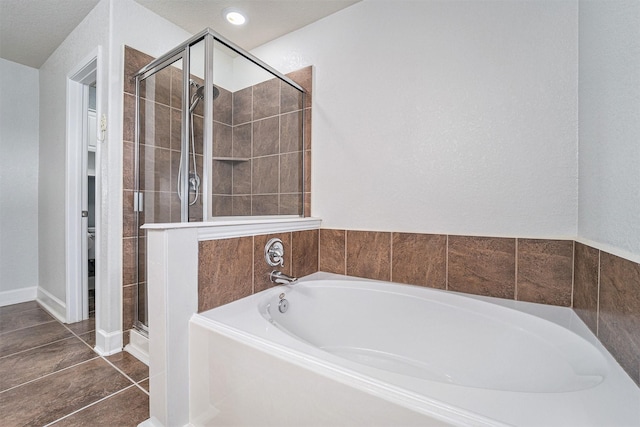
[609, 124]
[18, 176]
[443, 117]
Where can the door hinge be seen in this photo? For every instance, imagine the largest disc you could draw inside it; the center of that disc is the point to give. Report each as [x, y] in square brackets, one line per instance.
[138, 202]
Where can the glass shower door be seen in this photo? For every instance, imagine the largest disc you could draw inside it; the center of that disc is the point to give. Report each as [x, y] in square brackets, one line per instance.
[160, 113]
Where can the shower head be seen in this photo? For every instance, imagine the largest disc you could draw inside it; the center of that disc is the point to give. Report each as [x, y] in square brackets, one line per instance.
[199, 94]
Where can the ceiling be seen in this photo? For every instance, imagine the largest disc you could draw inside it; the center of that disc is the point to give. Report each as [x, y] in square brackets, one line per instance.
[30, 30]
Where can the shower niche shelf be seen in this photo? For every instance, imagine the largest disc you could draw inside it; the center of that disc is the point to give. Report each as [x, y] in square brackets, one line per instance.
[232, 159]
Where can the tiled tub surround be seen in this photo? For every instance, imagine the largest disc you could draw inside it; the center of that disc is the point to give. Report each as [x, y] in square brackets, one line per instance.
[230, 269]
[605, 291]
[261, 123]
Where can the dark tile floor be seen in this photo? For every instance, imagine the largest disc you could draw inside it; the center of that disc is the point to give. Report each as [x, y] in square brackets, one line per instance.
[50, 375]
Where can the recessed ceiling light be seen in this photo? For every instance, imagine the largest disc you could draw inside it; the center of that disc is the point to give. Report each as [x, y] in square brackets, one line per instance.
[234, 16]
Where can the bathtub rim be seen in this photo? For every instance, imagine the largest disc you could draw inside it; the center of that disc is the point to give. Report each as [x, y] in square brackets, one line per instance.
[452, 412]
[410, 400]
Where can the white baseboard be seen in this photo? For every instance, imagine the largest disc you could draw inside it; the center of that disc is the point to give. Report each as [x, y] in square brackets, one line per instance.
[53, 305]
[138, 346]
[108, 343]
[17, 296]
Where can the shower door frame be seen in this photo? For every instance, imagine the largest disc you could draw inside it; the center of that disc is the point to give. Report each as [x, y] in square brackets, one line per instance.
[182, 52]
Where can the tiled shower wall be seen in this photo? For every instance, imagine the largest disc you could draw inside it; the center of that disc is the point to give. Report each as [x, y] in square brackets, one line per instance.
[605, 291]
[258, 166]
[262, 123]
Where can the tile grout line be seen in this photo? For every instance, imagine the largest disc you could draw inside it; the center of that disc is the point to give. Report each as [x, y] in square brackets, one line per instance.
[142, 388]
[598, 296]
[391, 256]
[31, 326]
[38, 346]
[446, 264]
[345, 252]
[50, 373]
[89, 405]
[515, 291]
[573, 272]
[119, 370]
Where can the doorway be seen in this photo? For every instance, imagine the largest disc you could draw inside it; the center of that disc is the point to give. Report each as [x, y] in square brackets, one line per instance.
[82, 216]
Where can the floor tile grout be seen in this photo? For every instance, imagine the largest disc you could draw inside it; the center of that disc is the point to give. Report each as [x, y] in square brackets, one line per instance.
[30, 326]
[129, 382]
[119, 370]
[89, 405]
[36, 347]
[49, 374]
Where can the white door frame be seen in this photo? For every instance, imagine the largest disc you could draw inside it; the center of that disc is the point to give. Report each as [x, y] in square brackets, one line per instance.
[78, 81]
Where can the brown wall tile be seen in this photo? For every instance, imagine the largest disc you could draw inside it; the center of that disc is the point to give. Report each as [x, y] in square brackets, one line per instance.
[224, 271]
[242, 178]
[133, 61]
[332, 251]
[291, 204]
[128, 307]
[242, 140]
[162, 94]
[291, 132]
[585, 285]
[222, 175]
[222, 140]
[545, 271]
[304, 252]
[129, 120]
[482, 266]
[307, 171]
[369, 254]
[222, 205]
[222, 106]
[304, 77]
[176, 87]
[290, 172]
[128, 261]
[128, 160]
[265, 176]
[266, 99]
[619, 322]
[419, 259]
[266, 137]
[307, 128]
[242, 105]
[261, 269]
[265, 205]
[290, 98]
[241, 205]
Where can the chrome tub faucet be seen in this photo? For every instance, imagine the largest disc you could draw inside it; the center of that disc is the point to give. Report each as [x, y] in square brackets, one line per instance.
[281, 278]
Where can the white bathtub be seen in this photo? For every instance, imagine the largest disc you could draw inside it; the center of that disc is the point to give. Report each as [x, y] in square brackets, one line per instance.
[355, 352]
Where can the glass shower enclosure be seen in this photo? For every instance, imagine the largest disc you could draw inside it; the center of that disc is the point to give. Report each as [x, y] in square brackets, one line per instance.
[219, 134]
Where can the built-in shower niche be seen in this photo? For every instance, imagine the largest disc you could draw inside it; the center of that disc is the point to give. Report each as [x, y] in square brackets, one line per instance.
[250, 158]
[258, 157]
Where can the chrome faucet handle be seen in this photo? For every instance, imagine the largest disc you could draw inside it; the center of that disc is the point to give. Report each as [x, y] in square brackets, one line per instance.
[274, 252]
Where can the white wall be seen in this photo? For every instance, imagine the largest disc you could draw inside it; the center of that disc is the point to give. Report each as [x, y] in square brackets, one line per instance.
[91, 33]
[18, 182]
[454, 117]
[609, 129]
[109, 26]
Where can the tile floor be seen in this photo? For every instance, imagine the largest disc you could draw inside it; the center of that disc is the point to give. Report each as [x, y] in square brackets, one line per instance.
[50, 375]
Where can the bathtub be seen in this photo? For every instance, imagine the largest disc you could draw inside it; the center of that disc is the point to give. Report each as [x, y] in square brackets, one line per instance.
[337, 350]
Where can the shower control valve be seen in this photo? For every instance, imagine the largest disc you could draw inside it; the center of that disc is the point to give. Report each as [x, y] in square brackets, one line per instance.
[274, 252]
